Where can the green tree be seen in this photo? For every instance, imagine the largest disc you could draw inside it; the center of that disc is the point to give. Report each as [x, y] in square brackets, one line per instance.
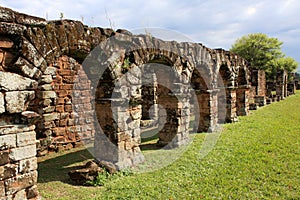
[284, 63]
[258, 49]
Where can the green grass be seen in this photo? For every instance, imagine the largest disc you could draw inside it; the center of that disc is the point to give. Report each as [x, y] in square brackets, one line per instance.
[256, 158]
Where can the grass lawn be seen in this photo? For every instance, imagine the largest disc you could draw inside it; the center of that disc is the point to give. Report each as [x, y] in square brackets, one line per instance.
[256, 158]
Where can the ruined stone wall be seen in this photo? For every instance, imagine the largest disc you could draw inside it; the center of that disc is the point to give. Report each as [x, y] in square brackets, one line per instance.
[52, 54]
[18, 163]
[50, 76]
[66, 105]
[282, 84]
[259, 82]
[259, 87]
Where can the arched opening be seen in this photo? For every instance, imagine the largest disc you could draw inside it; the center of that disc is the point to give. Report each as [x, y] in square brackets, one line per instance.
[226, 95]
[201, 101]
[163, 114]
[242, 93]
[64, 100]
[222, 82]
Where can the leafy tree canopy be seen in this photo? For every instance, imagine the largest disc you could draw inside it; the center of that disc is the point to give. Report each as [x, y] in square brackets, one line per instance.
[258, 49]
[264, 53]
[284, 63]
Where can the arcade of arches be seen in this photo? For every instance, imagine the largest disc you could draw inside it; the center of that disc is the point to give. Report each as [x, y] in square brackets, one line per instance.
[63, 84]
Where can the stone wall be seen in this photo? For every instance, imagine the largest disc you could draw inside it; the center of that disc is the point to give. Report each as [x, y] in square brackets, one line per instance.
[281, 84]
[18, 163]
[67, 79]
[259, 87]
[52, 55]
[65, 102]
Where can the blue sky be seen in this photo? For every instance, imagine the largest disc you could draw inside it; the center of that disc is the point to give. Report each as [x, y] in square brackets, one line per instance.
[215, 23]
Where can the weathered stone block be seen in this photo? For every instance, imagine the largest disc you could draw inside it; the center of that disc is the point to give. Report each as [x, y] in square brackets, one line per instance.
[4, 157]
[32, 192]
[12, 82]
[50, 117]
[28, 165]
[47, 94]
[49, 109]
[17, 102]
[46, 87]
[59, 131]
[2, 106]
[26, 138]
[16, 129]
[26, 68]
[7, 141]
[8, 171]
[11, 28]
[2, 189]
[46, 79]
[6, 43]
[20, 195]
[22, 153]
[20, 182]
[50, 71]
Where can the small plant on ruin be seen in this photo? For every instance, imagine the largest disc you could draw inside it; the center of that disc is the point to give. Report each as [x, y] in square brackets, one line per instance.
[148, 33]
[104, 176]
[100, 180]
[61, 16]
[126, 65]
[111, 24]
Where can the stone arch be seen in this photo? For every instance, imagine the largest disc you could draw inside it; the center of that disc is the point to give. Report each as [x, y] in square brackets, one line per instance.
[205, 108]
[224, 99]
[34, 54]
[126, 72]
[242, 92]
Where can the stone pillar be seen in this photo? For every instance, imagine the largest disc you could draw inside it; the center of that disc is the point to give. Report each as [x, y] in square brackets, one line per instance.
[208, 117]
[291, 88]
[231, 112]
[259, 81]
[18, 162]
[175, 118]
[280, 85]
[119, 140]
[242, 101]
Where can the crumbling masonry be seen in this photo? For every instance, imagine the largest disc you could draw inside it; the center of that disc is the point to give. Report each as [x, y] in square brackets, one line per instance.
[54, 95]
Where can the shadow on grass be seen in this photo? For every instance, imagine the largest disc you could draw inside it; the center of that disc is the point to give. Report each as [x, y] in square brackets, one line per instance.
[56, 167]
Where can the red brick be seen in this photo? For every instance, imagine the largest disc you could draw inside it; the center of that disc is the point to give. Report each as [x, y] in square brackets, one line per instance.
[66, 87]
[6, 43]
[65, 72]
[60, 101]
[68, 108]
[58, 79]
[71, 136]
[60, 108]
[69, 79]
[63, 122]
[59, 131]
[62, 93]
